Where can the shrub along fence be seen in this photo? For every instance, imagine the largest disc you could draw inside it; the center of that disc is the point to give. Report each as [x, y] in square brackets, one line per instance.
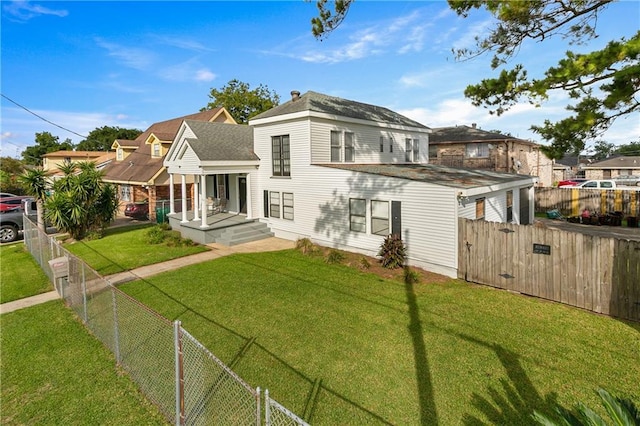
[189, 384]
[590, 272]
[571, 201]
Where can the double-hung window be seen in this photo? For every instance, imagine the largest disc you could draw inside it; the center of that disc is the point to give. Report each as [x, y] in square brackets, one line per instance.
[412, 150]
[380, 217]
[119, 154]
[357, 215]
[280, 153]
[125, 192]
[336, 147]
[287, 205]
[381, 143]
[156, 150]
[274, 204]
[477, 150]
[349, 148]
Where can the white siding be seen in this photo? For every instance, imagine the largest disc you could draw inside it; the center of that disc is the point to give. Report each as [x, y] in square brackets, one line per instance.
[367, 142]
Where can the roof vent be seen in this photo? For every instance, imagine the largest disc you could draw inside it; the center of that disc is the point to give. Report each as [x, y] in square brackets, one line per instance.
[295, 95]
[473, 125]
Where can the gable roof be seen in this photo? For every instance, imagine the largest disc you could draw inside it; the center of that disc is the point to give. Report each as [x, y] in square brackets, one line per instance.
[167, 130]
[466, 134]
[221, 141]
[622, 162]
[325, 104]
[76, 155]
[436, 175]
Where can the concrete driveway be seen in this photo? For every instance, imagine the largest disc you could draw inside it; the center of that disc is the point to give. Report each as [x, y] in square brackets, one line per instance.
[599, 230]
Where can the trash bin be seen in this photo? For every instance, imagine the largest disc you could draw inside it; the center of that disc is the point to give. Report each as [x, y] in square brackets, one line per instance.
[632, 222]
[162, 214]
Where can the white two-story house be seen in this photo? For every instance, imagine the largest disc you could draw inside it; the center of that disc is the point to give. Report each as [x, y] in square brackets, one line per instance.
[346, 174]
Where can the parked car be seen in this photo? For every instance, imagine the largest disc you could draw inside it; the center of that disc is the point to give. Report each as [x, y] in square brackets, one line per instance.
[139, 210]
[627, 180]
[571, 182]
[597, 184]
[11, 221]
[11, 203]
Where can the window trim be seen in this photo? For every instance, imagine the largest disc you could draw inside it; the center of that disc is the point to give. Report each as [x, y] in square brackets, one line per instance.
[363, 217]
[281, 161]
[377, 219]
[381, 143]
[336, 146]
[287, 208]
[125, 192]
[154, 147]
[274, 204]
[349, 147]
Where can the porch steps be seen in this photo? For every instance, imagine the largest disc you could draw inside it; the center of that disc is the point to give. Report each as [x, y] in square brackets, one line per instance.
[251, 231]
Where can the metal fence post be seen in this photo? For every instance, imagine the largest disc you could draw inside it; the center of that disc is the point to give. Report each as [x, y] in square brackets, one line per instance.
[84, 294]
[177, 340]
[267, 410]
[116, 336]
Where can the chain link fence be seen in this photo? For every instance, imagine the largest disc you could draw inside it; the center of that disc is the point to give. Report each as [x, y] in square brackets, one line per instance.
[188, 384]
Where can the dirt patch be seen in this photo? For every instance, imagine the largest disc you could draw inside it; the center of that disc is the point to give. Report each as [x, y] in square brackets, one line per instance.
[372, 265]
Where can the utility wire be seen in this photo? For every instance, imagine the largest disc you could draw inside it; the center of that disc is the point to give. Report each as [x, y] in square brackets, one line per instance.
[42, 118]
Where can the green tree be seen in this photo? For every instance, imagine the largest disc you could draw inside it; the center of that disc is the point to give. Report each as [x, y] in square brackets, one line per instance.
[242, 102]
[603, 85]
[36, 183]
[630, 149]
[10, 170]
[101, 138]
[45, 143]
[81, 202]
[602, 150]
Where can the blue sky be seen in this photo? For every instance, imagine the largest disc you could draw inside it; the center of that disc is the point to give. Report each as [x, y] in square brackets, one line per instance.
[83, 65]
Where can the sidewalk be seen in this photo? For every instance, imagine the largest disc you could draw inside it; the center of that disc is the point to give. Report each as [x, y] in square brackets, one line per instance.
[216, 251]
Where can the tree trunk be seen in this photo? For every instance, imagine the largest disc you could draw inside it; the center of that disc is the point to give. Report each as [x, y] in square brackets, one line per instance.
[39, 214]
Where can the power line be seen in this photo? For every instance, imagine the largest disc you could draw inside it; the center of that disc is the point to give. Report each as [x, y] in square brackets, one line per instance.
[42, 118]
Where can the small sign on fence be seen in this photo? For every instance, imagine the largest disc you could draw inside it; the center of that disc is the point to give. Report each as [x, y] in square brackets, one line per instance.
[541, 249]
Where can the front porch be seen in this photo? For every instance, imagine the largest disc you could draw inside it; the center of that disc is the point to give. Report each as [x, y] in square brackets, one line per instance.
[223, 228]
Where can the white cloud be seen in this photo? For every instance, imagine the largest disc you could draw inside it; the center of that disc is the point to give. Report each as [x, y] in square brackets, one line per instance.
[24, 10]
[204, 75]
[183, 43]
[132, 57]
[468, 39]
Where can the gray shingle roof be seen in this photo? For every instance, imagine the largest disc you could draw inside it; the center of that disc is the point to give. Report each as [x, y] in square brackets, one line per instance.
[461, 134]
[434, 174]
[317, 102]
[616, 163]
[222, 141]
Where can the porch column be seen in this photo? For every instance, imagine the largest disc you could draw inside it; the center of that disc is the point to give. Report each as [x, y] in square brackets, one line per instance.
[172, 196]
[183, 190]
[248, 195]
[203, 198]
[196, 198]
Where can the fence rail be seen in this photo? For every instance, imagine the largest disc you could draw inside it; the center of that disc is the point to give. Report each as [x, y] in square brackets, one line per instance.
[571, 201]
[595, 273]
[187, 383]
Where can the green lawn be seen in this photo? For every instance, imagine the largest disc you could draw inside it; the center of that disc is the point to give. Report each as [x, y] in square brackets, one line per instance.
[54, 373]
[124, 248]
[20, 275]
[338, 346]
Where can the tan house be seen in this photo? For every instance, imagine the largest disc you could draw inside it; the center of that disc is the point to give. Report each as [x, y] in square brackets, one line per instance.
[138, 170]
[472, 148]
[52, 161]
[612, 167]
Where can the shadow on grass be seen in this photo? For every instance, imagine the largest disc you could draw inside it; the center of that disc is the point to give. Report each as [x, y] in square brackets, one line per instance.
[522, 398]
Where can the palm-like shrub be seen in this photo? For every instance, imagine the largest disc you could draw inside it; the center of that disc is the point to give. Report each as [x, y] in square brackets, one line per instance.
[392, 252]
[623, 412]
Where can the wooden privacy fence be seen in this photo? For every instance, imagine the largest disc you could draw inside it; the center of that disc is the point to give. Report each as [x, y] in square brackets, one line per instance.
[590, 272]
[571, 201]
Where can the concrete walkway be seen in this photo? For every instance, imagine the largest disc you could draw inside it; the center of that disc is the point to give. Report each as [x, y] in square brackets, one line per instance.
[216, 251]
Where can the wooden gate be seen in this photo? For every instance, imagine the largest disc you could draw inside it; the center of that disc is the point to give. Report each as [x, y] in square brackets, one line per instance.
[590, 272]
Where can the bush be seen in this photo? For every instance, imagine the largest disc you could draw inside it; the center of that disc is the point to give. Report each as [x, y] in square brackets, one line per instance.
[411, 276]
[156, 235]
[392, 252]
[334, 256]
[364, 263]
[305, 246]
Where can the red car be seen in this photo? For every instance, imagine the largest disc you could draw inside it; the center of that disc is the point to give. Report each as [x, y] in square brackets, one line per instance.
[571, 182]
[139, 210]
[11, 203]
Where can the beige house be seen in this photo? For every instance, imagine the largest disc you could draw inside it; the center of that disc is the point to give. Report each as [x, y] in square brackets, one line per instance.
[612, 167]
[138, 170]
[474, 148]
[52, 161]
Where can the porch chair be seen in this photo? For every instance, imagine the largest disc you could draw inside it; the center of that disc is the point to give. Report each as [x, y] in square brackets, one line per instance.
[216, 206]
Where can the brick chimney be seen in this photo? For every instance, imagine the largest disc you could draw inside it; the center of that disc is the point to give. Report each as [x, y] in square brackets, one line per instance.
[295, 95]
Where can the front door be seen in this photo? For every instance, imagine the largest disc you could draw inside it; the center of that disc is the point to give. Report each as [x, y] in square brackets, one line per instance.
[242, 194]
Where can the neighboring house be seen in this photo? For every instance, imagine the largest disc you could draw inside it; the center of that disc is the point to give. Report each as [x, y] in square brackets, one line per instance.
[138, 170]
[52, 161]
[612, 167]
[473, 148]
[570, 166]
[344, 174]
